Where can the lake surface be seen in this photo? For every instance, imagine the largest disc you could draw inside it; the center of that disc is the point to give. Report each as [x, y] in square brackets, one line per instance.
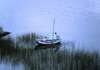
[77, 21]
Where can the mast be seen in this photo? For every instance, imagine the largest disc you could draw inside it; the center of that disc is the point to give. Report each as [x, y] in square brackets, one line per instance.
[53, 29]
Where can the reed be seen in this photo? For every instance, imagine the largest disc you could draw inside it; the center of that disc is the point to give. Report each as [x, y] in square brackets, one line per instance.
[63, 60]
[27, 40]
[1, 28]
[14, 52]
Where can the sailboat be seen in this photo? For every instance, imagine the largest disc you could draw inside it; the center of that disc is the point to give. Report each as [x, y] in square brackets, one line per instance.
[49, 41]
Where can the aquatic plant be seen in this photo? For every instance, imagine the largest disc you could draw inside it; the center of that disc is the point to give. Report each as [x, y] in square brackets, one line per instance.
[28, 39]
[14, 51]
[1, 28]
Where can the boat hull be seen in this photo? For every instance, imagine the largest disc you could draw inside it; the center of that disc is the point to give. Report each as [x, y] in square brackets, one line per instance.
[48, 42]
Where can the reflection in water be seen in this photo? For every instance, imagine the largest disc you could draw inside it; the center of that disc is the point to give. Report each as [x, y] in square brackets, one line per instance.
[57, 46]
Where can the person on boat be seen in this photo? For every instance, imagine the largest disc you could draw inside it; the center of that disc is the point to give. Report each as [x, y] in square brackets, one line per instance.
[57, 36]
[44, 39]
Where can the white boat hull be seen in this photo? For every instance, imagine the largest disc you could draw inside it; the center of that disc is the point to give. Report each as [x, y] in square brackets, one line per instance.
[47, 42]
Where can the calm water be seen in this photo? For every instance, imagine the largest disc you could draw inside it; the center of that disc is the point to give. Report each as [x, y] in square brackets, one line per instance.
[76, 21]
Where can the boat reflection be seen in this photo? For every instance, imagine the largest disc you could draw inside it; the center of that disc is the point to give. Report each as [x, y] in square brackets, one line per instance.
[57, 46]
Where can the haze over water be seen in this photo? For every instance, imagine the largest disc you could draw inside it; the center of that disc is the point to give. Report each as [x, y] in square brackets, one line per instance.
[76, 20]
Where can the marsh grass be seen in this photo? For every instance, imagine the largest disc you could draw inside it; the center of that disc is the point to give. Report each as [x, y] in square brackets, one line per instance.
[7, 42]
[1, 28]
[28, 39]
[14, 52]
[63, 60]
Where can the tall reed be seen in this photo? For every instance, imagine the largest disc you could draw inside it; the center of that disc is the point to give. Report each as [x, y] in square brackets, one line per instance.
[14, 52]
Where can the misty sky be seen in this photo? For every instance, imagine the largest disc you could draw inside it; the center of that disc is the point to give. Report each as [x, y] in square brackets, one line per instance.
[19, 16]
